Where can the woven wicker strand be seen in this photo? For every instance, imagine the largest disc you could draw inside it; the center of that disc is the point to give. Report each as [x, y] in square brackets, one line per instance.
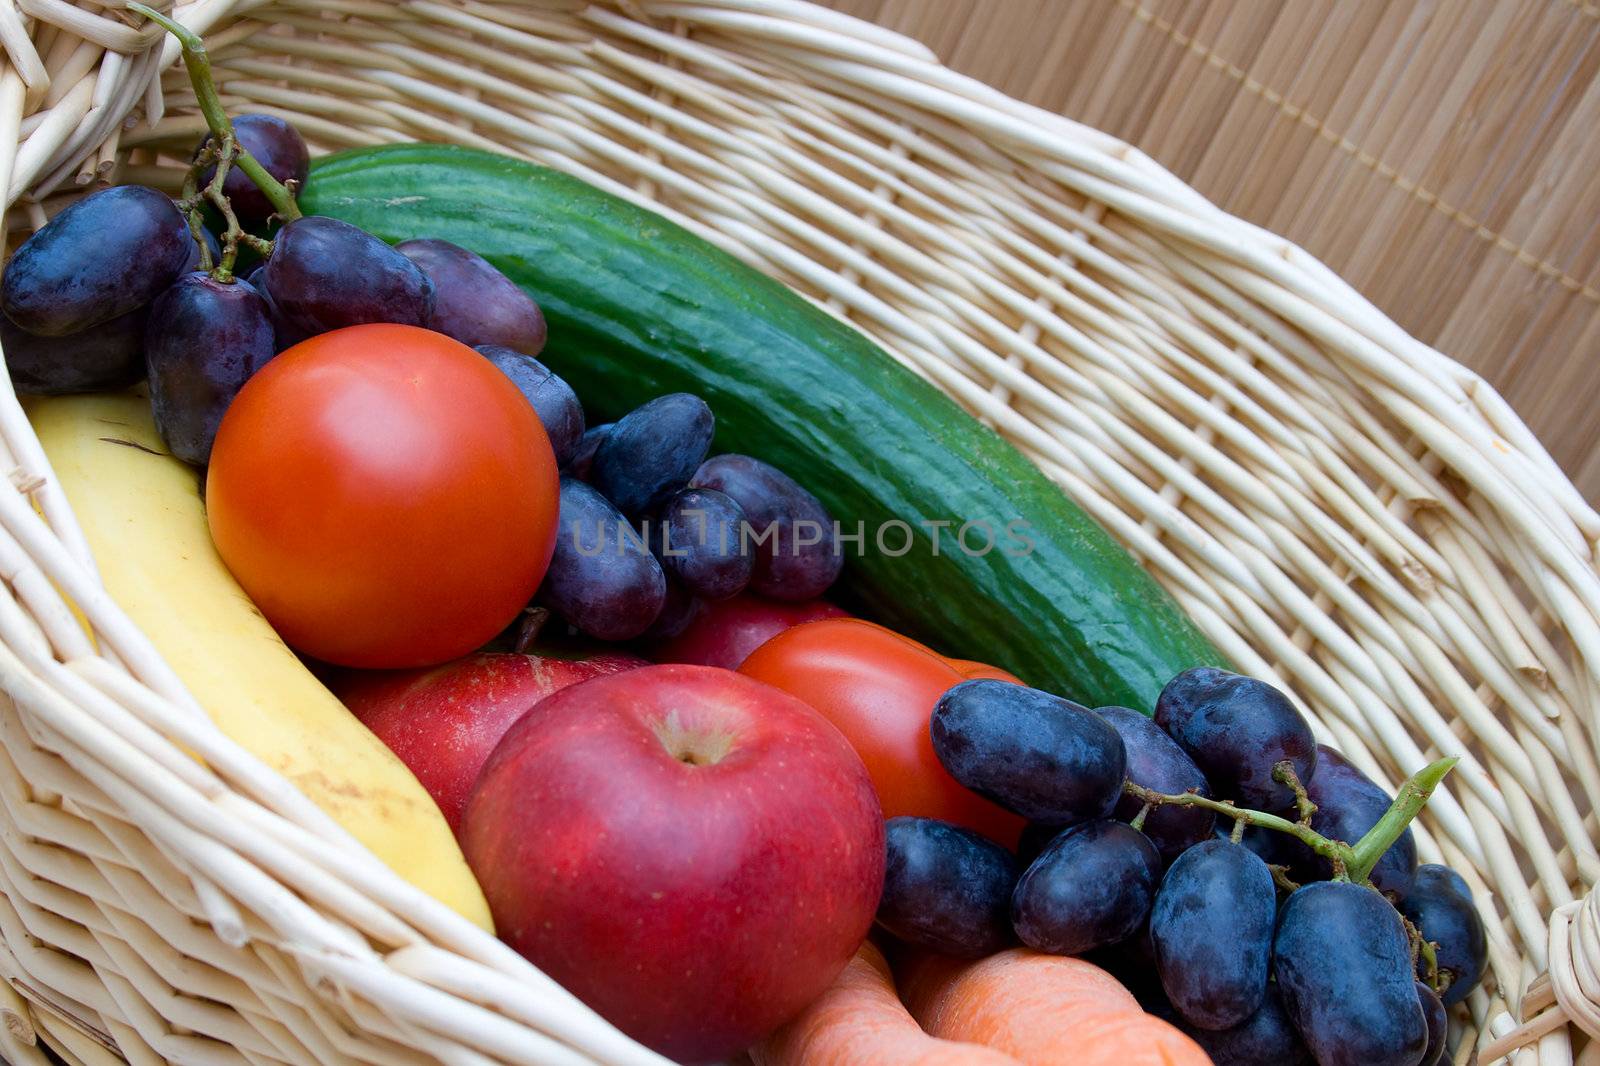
[1339, 507]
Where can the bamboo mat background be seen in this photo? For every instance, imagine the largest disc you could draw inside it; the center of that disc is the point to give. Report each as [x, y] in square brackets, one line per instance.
[1444, 157]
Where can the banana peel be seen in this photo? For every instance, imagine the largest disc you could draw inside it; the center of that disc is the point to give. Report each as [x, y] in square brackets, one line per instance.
[142, 513]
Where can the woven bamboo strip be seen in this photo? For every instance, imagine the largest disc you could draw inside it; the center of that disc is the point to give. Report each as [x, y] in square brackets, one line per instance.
[1439, 158]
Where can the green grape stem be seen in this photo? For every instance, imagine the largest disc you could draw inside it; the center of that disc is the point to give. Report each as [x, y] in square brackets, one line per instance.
[233, 233]
[1138, 820]
[189, 204]
[1284, 774]
[1337, 853]
[1280, 877]
[1350, 862]
[1427, 952]
[205, 91]
[1413, 796]
[191, 199]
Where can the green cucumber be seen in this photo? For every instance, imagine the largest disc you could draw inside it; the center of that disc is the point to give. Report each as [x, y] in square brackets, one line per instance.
[637, 307]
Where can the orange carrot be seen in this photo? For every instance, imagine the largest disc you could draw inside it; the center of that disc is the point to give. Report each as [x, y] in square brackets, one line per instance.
[1041, 1009]
[860, 1021]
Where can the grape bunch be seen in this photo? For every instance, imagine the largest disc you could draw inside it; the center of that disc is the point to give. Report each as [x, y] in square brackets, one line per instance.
[196, 294]
[128, 283]
[651, 528]
[1248, 884]
[76, 296]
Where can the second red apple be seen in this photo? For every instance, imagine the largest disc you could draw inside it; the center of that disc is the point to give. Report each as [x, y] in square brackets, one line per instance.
[724, 632]
[443, 721]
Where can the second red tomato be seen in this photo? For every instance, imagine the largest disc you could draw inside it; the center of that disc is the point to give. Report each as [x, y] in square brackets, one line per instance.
[879, 689]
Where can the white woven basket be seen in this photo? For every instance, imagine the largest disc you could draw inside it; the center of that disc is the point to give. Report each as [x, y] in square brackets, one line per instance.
[1337, 505]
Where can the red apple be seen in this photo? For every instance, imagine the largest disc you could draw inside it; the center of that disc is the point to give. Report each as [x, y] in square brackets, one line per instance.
[724, 632]
[692, 853]
[443, 721]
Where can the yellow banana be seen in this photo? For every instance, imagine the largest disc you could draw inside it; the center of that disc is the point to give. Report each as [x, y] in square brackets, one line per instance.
[145, 522]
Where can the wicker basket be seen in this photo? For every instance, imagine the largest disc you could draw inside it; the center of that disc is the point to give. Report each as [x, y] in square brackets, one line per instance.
[1337, 505]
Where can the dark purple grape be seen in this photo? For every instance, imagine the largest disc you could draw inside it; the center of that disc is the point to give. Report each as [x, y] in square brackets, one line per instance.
[1132, 960]
[1090, 887]
[1237, 730]
[285, 334]
[472, 301]
[1349, 804]
[1212, 931]
[698, 536]
[203, 341]
[946, 888]
[1266, 1038]
[1275, 848]
[583, 456]
[280, 150]
[552, 398]
[324, 274]
[652, 451]
[1343, 965]
[602, 579]
[1046, 758]
[1438, 1024]
[1436, 875]
[108, 254]
[796, 550]
[1445, 916]
[107, 356]
[1036, 836]
[1156, 762]
[677, 610]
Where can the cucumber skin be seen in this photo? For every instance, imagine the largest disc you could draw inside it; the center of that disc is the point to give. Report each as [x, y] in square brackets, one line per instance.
[637, 306]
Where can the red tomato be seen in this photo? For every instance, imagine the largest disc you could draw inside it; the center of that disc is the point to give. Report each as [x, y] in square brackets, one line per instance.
[386, 496]
[974, 671]
[970, 669]
[879, 689]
